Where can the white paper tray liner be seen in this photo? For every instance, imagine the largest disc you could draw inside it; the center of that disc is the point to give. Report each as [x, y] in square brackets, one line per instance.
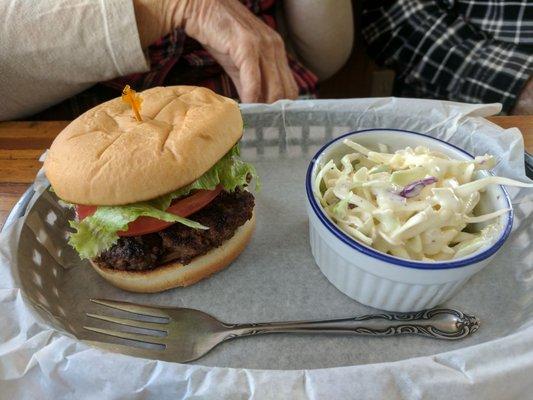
[276, 279]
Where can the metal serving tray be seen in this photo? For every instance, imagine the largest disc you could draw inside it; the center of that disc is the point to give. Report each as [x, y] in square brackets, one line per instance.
[275, 278]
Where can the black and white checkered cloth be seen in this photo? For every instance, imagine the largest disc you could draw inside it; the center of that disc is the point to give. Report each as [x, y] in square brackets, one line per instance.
[465, 50]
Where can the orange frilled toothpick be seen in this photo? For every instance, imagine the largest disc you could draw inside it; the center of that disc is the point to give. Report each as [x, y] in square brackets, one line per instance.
[130, 97]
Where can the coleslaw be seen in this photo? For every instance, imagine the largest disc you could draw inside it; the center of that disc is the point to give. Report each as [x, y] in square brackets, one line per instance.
[414, 203]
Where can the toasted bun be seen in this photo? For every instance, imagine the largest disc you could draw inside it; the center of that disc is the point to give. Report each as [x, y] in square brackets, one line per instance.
[174, 274]
[106, 157]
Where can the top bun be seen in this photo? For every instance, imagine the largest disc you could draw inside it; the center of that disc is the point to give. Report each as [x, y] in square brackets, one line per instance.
[106, 157]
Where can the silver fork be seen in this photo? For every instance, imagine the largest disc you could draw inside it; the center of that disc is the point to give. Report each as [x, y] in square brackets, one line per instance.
[184, 334]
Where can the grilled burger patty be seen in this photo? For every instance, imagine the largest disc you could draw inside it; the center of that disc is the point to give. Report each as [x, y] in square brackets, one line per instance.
[226, 213]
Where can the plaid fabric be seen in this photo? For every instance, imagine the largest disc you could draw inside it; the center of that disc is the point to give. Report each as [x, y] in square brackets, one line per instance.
[177, 59]
[467, 50]
[504, 20]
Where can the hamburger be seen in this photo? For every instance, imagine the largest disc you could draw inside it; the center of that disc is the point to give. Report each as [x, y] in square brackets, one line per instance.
[161, 194]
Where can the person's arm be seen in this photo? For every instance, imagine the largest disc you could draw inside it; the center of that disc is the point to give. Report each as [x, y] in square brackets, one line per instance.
[524, 104]
[428, 46]
[53, 49]
[321, 32]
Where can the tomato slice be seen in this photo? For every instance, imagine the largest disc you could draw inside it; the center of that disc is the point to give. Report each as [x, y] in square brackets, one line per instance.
[84, 211]
[143, 225]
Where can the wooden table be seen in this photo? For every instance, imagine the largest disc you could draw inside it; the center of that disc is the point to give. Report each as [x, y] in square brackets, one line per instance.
[21, 144]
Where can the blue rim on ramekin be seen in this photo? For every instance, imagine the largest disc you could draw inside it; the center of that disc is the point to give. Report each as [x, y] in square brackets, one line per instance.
[348, 240]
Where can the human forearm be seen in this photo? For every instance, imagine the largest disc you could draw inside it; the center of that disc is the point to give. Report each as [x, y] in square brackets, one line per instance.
[321, 32]
[524, 104]
[53, 49]
[157, 18]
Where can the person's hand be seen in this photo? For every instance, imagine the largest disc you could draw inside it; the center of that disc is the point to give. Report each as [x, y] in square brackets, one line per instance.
[251, 53]
[524, 104]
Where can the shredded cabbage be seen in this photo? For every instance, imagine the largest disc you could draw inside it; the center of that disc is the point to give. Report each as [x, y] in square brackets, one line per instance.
[413, 203]
[98, 232]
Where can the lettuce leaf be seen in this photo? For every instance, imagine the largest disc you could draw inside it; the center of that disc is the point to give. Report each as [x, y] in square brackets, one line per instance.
[98, 232]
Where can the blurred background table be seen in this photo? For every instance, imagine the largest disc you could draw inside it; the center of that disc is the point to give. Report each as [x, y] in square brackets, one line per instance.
[21, 144]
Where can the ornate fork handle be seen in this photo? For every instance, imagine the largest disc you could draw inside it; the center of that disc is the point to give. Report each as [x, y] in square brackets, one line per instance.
[438, 323]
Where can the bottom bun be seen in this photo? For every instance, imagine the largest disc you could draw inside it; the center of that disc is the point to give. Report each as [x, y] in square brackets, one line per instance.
[173, 274]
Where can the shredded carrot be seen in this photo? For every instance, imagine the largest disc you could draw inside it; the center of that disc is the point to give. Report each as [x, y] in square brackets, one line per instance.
[130, 97]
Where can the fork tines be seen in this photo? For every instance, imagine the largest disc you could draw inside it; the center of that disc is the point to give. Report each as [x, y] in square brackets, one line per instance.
[134, 309]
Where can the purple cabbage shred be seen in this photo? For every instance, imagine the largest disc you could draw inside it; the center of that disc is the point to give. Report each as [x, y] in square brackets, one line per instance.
[414, 188]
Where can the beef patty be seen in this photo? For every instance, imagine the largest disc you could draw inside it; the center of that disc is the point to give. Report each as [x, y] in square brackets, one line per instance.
[226, 213]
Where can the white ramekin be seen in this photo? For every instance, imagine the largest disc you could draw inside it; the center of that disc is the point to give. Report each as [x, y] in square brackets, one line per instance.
[380, 280]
